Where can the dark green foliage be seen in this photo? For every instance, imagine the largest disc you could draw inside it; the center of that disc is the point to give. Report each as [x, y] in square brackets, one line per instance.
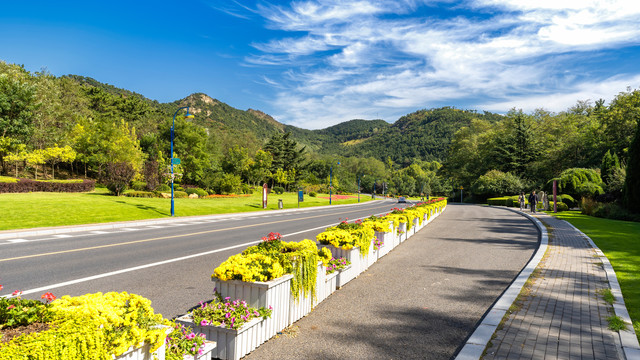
[631, 192]
[285, 151]
[164, 188]
[197, 191]
[313, 194]
[117, 176]
[278, 190]
[516, 150]
[609, 163]
[138, 185]
[496, 183]
[579, 182]
[560, 206]
[17, 104]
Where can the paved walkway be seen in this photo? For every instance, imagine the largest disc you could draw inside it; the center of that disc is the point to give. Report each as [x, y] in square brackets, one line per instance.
[563, 316]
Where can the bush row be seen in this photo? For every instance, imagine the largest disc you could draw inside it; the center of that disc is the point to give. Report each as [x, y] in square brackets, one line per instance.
[28, 185]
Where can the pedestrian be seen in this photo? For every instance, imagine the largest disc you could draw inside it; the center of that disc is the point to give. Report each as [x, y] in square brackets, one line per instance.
[521, 200]
[533, 201]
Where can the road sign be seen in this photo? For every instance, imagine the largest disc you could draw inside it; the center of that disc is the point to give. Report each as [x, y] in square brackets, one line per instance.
[175, 161]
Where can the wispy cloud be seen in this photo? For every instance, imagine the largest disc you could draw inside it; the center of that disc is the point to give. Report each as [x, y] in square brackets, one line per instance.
[350, 59]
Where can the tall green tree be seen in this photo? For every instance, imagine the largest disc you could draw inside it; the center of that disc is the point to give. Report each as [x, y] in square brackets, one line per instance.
[286, 153]
[631, 191]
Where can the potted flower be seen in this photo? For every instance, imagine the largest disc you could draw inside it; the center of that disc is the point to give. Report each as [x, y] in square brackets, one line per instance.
[184, 344]
[234, 325]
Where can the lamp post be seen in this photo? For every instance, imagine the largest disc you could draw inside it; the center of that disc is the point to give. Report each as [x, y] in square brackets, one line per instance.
[175, 160]
[330, 179]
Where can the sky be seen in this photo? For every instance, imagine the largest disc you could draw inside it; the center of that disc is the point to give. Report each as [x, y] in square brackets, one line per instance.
[316, 63]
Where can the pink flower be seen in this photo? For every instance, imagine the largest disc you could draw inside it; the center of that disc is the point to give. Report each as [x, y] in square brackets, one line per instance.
[190, 336]
[10, 307]
[204, 323]
[1, 287]
[17, 293]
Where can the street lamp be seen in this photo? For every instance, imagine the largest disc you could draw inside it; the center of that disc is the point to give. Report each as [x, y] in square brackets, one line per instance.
[330, 178]
[175, 161]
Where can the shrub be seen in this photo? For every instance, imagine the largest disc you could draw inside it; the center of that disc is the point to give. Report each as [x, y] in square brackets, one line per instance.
[180, 194]
[579, 182]
[178, 188]
[164, 188]
[567, 199]
[141, 194]
[139, 185]
[560, 206]
[313, 194]
[7, 179]
[246, 189]
[278, 189]
[28, 185]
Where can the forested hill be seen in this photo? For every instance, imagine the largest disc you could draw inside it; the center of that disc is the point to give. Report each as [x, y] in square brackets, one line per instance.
[424, 135]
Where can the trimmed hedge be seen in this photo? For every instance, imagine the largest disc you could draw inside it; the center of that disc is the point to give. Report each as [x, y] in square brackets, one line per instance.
[141, 194]
[504, 201]
[28, 185]
[560, 206]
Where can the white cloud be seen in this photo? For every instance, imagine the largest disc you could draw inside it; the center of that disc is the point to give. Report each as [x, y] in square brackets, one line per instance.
[561, 101]
[357, 58]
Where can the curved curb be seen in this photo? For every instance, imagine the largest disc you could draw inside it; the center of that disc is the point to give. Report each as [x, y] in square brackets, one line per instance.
[628, 338]
[477, 342]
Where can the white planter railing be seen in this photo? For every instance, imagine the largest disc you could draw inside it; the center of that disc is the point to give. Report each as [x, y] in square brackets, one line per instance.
[209, 346]
[275, 293]
[231, 344]
[331, 283]
[298, 308]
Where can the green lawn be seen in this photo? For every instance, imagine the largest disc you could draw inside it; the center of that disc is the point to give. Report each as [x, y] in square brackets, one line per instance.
[620, 242]
[29, 210]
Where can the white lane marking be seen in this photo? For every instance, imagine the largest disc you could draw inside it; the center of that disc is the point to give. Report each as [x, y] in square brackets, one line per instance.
[196, 222]
[156, 226]
[129, 229]
[17, 240]
[61, 236]
[98, 232]
[122, 271]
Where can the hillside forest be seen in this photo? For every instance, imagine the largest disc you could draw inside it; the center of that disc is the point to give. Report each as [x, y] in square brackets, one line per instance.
[76, 127]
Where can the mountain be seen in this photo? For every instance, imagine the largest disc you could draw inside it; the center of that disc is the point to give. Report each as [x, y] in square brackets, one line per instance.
[424, 134]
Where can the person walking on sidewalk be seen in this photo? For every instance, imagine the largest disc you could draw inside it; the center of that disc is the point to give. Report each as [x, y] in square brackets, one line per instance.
[533, 201]
[521, 200]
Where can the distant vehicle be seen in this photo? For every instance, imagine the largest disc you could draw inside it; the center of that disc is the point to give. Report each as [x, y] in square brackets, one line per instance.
[402, 199]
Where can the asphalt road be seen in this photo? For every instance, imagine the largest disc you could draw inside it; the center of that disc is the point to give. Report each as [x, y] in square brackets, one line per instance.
[423, 299]
[171, 263]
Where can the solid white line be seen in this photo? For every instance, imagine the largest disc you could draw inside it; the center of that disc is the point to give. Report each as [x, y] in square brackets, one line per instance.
[156, 226]
[97, 232]
[17, 240]
[61, 236]
[122, 271]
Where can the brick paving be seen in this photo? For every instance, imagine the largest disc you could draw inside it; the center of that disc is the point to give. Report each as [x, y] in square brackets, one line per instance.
[563, 316]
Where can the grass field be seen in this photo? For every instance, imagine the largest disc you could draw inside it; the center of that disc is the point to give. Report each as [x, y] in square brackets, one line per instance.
[29, 210]
[620, 242]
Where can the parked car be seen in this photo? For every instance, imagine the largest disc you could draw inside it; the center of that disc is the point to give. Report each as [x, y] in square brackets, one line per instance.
[402, 199]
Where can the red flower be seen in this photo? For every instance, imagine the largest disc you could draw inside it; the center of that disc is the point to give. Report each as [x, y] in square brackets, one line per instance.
[48, 296]
[10, 307]
[272, 236]
[1, 287]
[17, 293]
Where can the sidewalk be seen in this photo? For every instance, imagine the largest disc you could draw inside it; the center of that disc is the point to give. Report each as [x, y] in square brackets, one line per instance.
[562, 314]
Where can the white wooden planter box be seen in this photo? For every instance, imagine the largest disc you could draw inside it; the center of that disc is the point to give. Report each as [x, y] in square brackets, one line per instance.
[331, 283]
[403, 232]
[142, 353]
[358, 263]
[275, 293]
[387, 239]
[415, 228]
[304, 304]
[395, 238]
[209, 346]
[345, 275]
[231, 344]
[372, 257]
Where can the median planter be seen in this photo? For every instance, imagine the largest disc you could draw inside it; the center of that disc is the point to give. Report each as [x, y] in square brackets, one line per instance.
[207, 353]
[230, 344]
[142, 353]
[402, 232]
[331, 283]
[300, 307]
[358, 263]
[275, 293]
[345, 275]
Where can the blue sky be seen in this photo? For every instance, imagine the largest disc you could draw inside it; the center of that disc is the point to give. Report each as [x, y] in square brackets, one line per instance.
[316, 63]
